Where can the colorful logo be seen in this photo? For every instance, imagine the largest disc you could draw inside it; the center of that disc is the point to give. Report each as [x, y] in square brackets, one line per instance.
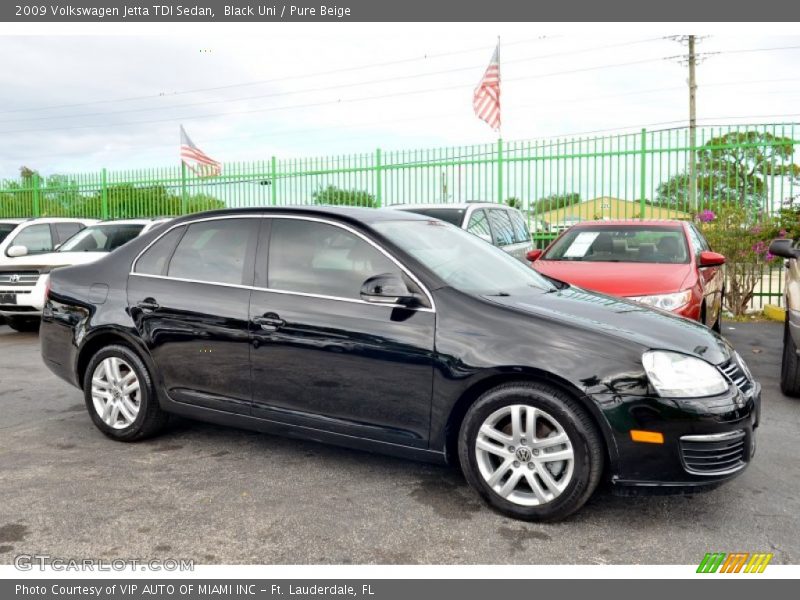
[735, 562]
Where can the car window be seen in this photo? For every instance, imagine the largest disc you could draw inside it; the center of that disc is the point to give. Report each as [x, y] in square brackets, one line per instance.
[101, 238]
[479, 225]
[699, 242]
[317, 258]
[67, 230]
[214, 251]
[501, 227]
[521, 233]
[36, 238]
[451, 215]
[5, 229]
[154, 260]
[623, 243]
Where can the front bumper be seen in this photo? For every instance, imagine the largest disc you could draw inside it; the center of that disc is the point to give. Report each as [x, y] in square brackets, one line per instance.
[26, 301]
[707, 441]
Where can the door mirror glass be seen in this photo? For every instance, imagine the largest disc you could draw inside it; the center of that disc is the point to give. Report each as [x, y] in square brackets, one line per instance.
[387, 288]
[710, 259]
[17, 251]
[784, 248]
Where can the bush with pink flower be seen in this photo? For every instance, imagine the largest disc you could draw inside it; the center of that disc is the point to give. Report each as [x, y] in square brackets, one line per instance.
[743, 237]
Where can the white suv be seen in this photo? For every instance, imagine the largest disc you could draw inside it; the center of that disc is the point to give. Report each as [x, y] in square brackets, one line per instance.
[498, 224]
[23, 282]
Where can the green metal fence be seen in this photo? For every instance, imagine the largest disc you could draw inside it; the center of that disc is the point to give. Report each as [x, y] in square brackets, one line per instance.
[557, 182]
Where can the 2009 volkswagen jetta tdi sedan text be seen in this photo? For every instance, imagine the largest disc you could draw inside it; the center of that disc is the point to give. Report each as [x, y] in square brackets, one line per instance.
[390, 331]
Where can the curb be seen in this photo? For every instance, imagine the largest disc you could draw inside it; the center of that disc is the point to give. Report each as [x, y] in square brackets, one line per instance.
[776, 313]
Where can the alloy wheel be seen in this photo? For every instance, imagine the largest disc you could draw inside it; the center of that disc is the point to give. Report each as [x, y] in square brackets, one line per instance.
[115, 392]
[524, 455]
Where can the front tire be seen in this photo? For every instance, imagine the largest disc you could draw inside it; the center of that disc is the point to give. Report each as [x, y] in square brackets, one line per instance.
[790, 365]
[530, 451]
[120, 396]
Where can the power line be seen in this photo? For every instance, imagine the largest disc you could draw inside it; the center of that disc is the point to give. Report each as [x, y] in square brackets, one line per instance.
[322, 88]
[332, 102]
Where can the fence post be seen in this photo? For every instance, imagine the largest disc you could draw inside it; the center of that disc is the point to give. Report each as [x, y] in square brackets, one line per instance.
[499, 170]
[378, 177]
[104, 194]
[36, 204]
[643, 175]
[273, 190]
[184, 193]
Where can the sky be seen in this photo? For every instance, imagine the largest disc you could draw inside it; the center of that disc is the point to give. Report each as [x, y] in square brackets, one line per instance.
[76, 103]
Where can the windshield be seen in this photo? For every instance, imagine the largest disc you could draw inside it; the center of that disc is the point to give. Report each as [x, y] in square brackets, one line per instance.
[5, 229]
[451, 215]
[629, 244]
[101, 238]
[461, 259]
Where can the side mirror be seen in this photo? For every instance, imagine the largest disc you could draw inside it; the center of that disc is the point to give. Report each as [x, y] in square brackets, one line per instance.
[783, 248]
[387, 288]
[17, 251]
[533, 255]
[710, 259]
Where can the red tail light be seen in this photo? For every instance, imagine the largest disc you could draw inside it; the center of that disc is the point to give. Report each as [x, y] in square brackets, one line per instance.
[47, 285]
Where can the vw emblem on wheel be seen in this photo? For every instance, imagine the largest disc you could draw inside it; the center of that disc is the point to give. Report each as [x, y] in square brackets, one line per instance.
[523, 454]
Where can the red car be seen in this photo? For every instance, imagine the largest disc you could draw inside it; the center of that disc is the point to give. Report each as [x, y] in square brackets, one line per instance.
[664, 264]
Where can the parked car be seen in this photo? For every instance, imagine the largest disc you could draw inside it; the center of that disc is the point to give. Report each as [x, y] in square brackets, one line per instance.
[500, 225]
[790, 364]
[664, 264]
[389, 331]
[23, 283]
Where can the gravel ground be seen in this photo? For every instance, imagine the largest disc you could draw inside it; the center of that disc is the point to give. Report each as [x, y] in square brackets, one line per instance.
[225, 496]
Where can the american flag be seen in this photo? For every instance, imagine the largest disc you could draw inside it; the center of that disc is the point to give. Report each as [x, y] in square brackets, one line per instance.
[196, 160]
[486, 100]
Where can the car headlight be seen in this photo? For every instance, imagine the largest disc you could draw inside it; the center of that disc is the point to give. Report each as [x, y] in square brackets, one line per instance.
[665, 301]
[676, 375]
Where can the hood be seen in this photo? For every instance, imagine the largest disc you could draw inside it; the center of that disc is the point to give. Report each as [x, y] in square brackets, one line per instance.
[51, 260]
[649, 328]
[618, 279]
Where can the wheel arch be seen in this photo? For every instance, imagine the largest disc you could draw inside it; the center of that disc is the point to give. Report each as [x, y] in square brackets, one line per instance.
[524, 375]
[107, 336]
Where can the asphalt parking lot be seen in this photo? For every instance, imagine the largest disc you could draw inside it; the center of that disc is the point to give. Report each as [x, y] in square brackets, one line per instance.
[228, 496]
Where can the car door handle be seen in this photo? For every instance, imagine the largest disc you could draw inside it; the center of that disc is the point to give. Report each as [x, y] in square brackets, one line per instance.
[148, 304]
[269, 322]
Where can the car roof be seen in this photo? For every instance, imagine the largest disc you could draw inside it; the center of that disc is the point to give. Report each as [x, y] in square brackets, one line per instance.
[450, 205]
[14, 221]
[350, 214]
[633, 222]
[125, 222]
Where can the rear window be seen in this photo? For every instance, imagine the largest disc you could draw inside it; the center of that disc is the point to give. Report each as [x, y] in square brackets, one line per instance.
[451, 215]
[101, 238]
[630, 244]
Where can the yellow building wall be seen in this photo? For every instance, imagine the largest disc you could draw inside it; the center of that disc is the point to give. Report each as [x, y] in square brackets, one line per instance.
[609, 208]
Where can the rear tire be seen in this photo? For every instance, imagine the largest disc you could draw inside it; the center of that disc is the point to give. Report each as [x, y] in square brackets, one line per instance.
[23, 324]
[790, 365]
[509, 466]
[120, 397]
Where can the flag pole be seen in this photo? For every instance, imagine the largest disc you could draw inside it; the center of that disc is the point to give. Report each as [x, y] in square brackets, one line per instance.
[500, 83]
[184, 198]
[499, 129]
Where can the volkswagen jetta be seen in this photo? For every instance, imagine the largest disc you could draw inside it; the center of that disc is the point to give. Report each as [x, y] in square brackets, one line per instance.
[389, 331]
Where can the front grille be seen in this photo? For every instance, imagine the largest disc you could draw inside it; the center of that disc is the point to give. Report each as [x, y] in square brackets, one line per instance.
[714, 454]
[22, 278]
[735, 374]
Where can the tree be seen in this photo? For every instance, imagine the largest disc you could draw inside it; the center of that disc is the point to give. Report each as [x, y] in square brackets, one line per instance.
[514, 202]
[555, 201]
[735, 168]
[335, 196]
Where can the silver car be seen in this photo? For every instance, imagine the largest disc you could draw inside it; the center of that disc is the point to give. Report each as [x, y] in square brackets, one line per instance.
[503, 226]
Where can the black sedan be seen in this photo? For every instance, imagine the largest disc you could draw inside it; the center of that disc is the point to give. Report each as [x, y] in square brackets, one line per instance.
[394, 332]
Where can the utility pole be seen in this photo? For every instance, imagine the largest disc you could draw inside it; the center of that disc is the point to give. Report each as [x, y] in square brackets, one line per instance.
[692, 125]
